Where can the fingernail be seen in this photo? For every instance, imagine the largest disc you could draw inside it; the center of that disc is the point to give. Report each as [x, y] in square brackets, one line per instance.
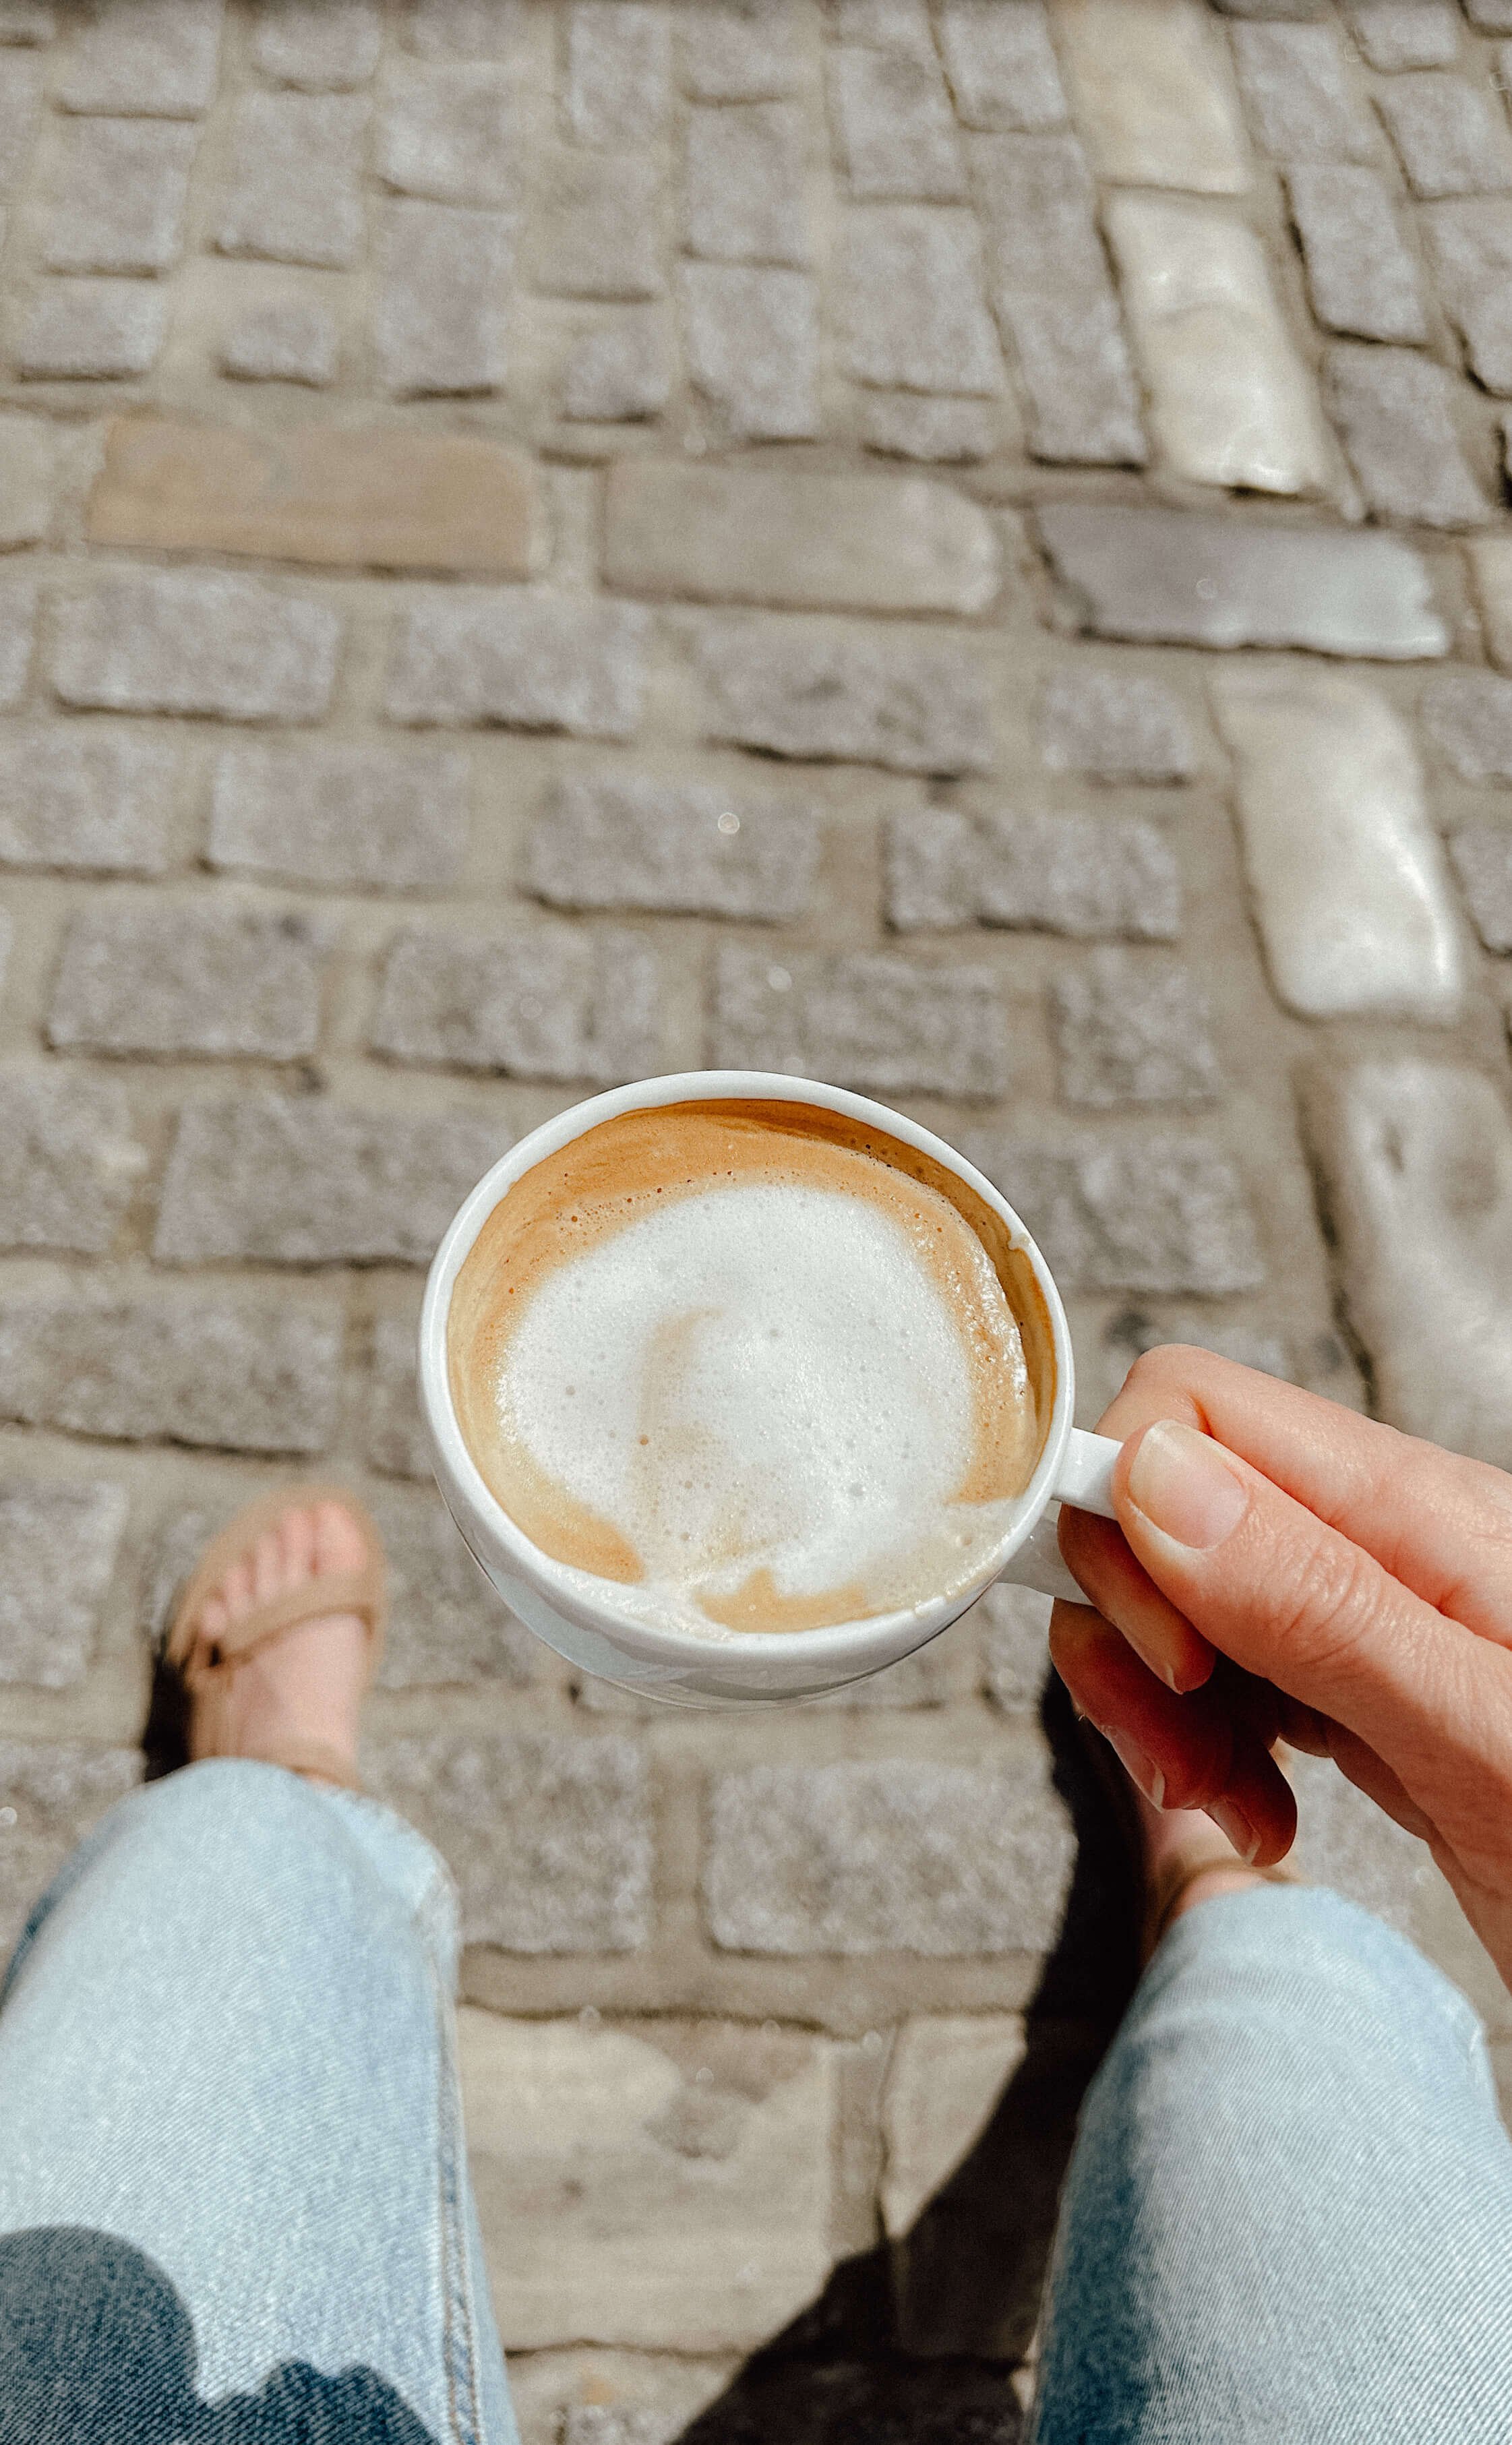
[1138, 1764]
[1235, 1827]
[1184, 1487]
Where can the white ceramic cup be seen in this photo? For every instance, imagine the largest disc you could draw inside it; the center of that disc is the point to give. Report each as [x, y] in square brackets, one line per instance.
[734, 1667]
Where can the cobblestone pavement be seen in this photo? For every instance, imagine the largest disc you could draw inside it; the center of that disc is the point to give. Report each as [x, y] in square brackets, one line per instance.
[966, 554]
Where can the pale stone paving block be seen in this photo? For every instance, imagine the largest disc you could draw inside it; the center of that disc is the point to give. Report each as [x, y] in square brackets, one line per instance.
[293, 191]
[1182, 577]
[922, 1679]
[1344, 871]
[1015, 1646]
[1230, 400]
[58, 1792]
[452, 134]
[1451, 137]
[717, 2140]
[446, 1624]
[865, 1019]
[904, 696]
[397, 1443]
[618, 72]
[18, 620]
[1416, 1159]
[218, 1369]
[944, 2078]
[438, 325]
[1082, 875]
[1393, 411]
[1361, 277]
[752, 343]
[465, 30]
[895, 134]
[554, 1002]
[1053, 295]
[302, 1181]
[1001, 64]
[1491, 566]
[322, 45]
[1302, 102]
[91, 331]
[1132, 1334]
[910, 424]
[1115, 725]
[20, 105]
[526, 660]
[58, 1547]
[912, 302]
[1468, 715]
[69, 1161]
[1131, 1029]
[27, 21]
[600, 232]
[122, 187]
[863, 543]
[1492, 16]
[901, 26]
[1154, 1213]
[283, 343]
[350, 497]
[549, 1838]
[745, 170]
[151, 641]
[189, 976]
[27, 469]
[739, 50]
[1396, 34]
[75, 796]
[907, 1857]
[1471, 249]
[1153, 93]
[156, 59]
[621, 372]
[348, 815]
[1483, 859]
[627, 840]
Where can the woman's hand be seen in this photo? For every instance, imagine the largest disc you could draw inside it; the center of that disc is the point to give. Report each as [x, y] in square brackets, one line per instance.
[1290, 1570]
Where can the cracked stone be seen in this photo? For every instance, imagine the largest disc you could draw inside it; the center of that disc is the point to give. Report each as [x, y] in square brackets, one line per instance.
[1468, 715]
[909, 697]
[618, 373]
[1154, 94]
[1483, 859]
[615, 840]
[1453, 139]
[1393, 410]
[76, 796]
[58, 1547]
[283, 343]
[1132, 1030]
[347, 815]
[1159, 1213]
[58, 1791]
[155, 641]
[528, 660]
[440, 322]
[293, 192]
[1001, 64]
[69, 1161]
[190, 976]
[1302, 100]
[91, 331]
[865, 1019]
[1361, 277]
[746, 166]
[894, 128]
[1115, 725]
[123, 183]
[753, 343]
[1082, 875]
[912, 302]
[152, 59]
[552, 1002]
[451, 134]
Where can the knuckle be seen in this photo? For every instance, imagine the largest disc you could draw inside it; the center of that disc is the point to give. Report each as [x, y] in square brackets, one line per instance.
[1323, 1601]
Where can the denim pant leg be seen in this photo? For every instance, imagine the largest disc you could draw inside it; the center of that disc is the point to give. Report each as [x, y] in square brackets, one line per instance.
[233, 2190]
[1288, 2216]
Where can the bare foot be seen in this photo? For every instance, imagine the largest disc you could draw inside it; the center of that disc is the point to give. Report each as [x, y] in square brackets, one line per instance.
[1179, 1835]
[305, 1686]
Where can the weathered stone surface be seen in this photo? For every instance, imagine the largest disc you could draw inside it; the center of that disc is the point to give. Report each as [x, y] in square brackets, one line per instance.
[18, 620]
[27, 21]
[293, 191]
[1393, 411]
[597, 2397]
[1182, 577]
[894, 129]
[302, 1181]
[745, 168]
[943, 2081]
[752, 343]
[617, 70]
[148, 58]
[1483, 859]
[1015, 1649]
[365, 816]
[69, 1162]
[20, 107]
[912, 425]
[450, 132]
[150, 640]
[1405, 33]
[1416, 1159]
[1153, 93]
[845, 542]
[446, 1624]
[1230, 401]
[905, 1857]
[909, 697]
[75, 796]
[91, 331]
[1072, 874]
[866, 1019]
[549, 1837]
[601, 232]
[439, 325]
[191, 976]
[1303, 104]
[57, 1792]
[629, 840]
[1468, 715]
[618, 373]
[1001, 64]
[350, 497]
[1053, 295]
[218, 1367]
[397, 1444]
[1453, 139]
[465, 30]
[122, 187]
[1344, 871]
[1155, 1213]
[552, 1002]
[717, 2140]
[58, 1546]
[1491, 563]
[1471, 248]
[1360, 275]
[739, 50]
[1132, 1031]
[1115, 725]
[912, 302]
[322, 46]
[27, 468]
[283, 343]
[531, 662]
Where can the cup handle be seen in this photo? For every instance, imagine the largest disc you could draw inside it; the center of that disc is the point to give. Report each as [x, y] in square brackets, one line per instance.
[1083, 1479]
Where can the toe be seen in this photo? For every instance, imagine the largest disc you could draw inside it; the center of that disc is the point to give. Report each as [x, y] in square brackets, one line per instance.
[296, 1532]
[266, 1567]
[236, 1589]
[340, 1544]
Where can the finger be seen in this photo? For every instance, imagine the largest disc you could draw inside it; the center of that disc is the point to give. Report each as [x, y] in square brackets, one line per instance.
[1098, 1556]
[1439, 1523]
[1357, 1761]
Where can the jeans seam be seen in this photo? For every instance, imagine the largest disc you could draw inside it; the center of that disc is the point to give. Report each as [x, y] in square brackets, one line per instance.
[458, 2312]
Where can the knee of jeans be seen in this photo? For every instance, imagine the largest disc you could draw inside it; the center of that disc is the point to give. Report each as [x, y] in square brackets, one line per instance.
[198, 1807]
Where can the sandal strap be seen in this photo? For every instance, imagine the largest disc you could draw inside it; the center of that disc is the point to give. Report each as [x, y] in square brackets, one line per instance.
[362, 1592]
[359, 1591]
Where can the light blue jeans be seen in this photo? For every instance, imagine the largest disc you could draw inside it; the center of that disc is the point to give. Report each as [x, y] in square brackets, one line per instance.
[235, 2207]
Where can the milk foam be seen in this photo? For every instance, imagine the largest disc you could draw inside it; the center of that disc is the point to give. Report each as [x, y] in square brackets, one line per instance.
[759, 1377]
